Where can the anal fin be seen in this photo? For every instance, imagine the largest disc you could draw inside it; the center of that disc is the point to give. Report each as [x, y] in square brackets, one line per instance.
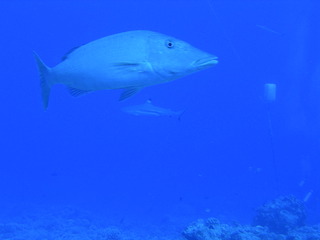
[128, 92]
[77, 92]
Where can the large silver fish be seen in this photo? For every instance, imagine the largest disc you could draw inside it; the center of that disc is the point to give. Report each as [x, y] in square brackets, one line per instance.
[148, 109]
[129, 60]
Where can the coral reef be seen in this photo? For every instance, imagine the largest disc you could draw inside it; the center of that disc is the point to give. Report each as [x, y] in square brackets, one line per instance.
[281, 215]
[212, 229]
[281, 219]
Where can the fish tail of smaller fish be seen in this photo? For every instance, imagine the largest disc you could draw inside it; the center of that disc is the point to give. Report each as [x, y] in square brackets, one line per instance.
[44, 71]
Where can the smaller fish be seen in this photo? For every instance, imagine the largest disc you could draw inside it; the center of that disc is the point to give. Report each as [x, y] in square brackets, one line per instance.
[307, 197]
[148, 109]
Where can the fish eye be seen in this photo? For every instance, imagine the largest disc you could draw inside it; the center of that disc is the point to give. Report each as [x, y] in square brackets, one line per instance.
[169, 44]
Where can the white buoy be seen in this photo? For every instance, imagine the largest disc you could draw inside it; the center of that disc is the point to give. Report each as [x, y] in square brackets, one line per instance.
[270, 92]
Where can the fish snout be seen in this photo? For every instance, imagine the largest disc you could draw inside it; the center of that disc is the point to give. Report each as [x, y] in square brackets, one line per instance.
[205, 62]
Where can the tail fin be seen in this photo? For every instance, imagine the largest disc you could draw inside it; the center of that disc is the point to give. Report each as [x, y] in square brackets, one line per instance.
[45, 85]
[180, 113]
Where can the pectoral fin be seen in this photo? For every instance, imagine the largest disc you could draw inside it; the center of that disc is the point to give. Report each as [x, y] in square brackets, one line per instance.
[131, 66]
[128, 92]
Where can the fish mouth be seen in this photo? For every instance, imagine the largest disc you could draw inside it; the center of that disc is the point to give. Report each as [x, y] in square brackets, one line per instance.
[205, 62]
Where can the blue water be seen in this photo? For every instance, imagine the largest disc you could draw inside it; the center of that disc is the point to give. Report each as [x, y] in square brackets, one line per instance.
[231, 151]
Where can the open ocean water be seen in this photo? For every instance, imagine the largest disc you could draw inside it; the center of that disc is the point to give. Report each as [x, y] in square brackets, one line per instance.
[227, 153]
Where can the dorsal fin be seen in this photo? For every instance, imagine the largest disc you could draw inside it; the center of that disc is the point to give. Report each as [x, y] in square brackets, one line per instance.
[68, 53]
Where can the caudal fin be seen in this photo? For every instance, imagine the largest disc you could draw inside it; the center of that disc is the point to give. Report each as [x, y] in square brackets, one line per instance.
[45, 85]
[180, 113]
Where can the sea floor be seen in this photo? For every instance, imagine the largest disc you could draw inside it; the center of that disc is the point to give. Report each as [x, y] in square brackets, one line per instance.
[67, 223]
[281, 219]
